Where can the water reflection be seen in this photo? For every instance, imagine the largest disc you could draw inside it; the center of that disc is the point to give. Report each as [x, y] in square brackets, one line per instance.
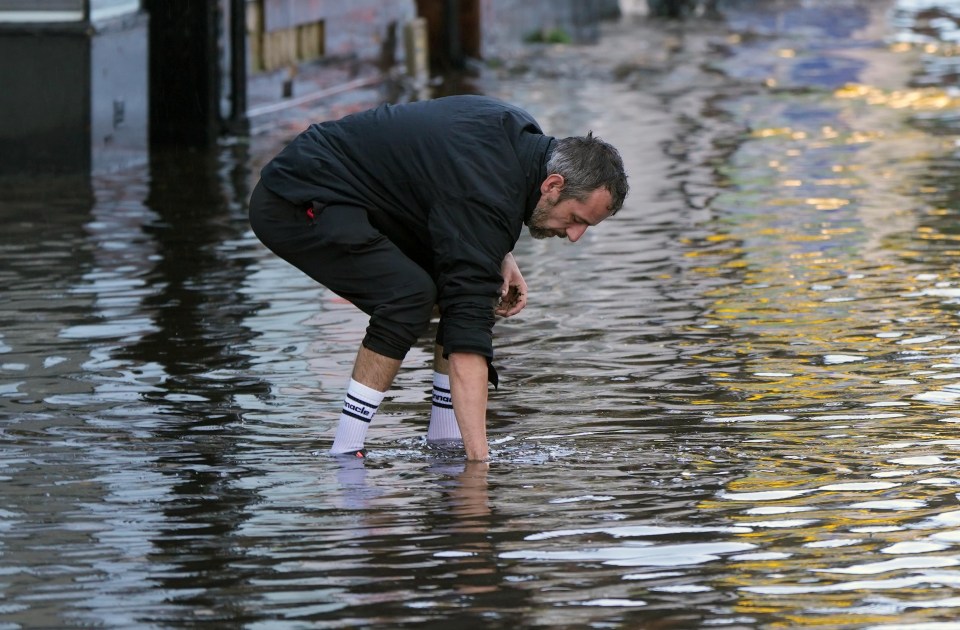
[103, 424]
[830, 336]
[733, 406]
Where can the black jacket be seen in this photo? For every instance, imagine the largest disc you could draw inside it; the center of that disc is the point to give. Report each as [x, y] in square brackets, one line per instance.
[451, 181]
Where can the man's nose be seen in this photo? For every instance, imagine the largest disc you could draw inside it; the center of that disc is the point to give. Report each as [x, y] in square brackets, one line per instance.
[574, 232]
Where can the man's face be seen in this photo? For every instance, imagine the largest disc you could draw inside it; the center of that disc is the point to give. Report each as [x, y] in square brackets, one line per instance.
[569, 218]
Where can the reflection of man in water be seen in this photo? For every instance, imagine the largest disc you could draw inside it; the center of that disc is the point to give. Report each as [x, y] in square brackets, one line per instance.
[405, 207]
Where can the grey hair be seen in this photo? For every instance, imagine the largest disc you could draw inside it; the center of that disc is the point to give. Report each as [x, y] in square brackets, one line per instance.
[587, 163]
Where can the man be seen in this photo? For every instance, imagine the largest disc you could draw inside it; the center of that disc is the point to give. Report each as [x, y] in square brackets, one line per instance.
[406, 207]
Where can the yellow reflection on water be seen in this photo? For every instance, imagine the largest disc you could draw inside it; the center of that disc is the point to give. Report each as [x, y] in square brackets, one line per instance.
[915, 99]
[846, 181]
[825, 203]
[834, 328]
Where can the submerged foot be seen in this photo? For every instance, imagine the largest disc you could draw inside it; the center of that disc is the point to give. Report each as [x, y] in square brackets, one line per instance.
[357, 454]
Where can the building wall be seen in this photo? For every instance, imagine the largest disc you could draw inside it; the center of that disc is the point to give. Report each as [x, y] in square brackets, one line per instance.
[282, 32]
[359, 28]
[119, 101]
[74, 97]
[45, 101]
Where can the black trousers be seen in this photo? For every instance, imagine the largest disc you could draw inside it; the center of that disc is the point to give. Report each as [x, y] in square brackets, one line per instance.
[339, 248]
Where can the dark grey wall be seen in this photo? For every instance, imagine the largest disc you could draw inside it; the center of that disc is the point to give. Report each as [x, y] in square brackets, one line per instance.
[45, 101]
[74, 97]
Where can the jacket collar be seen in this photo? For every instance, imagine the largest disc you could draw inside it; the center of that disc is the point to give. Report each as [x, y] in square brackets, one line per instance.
[540, 151]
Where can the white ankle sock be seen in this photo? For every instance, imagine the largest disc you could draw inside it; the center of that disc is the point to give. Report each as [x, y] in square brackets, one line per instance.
[359, 407]
[443, 422]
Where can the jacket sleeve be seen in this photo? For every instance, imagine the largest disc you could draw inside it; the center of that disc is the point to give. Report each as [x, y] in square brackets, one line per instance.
[469, 241]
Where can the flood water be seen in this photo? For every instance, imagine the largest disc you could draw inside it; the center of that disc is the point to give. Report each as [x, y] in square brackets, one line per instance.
[733, 405]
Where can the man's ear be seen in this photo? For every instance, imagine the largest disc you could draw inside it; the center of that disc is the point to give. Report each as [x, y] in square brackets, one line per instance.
[553, 183]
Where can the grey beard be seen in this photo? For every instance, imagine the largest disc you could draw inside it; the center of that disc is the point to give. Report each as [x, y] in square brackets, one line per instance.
[540, 233]
[539, 216]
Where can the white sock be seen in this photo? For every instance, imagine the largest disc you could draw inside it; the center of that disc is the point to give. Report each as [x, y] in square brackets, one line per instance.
[359, 407]
[443, 422]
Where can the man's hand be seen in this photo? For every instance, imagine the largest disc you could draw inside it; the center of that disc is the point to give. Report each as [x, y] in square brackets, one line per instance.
[513, 293]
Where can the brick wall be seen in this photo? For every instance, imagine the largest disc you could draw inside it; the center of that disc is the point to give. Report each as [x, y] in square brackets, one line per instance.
[282, 32]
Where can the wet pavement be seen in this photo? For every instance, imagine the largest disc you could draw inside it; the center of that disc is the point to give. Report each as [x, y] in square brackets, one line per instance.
[733, 405]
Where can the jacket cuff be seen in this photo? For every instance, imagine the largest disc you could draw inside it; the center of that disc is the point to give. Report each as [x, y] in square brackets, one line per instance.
[492, 377]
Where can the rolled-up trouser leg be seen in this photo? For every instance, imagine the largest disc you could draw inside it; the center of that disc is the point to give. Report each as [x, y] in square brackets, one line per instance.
[341, 250]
